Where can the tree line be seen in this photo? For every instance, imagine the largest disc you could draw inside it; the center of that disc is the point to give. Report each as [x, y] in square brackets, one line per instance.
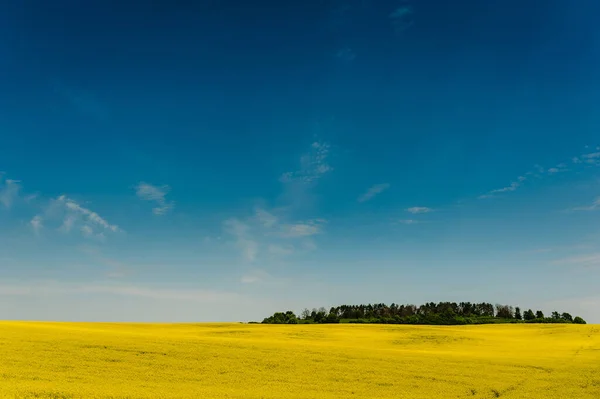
[442, 313]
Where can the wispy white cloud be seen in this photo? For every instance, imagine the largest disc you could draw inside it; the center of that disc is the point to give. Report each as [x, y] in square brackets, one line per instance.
[591, 155]
[36, 224]
[76, 209]
[373, 191]
[272, 233]
[264, 237]
[31, 197]
[87, 231]
[250, 279]
[302, 229]
[280, 250]
[157, 194]
[260, 276]
[243, 239]
[68, 223]
[561, 167]
[71, 214]
[594, 206]
[408, 221]
[539, 171]
[57, 288]
[402, 18]
[9, 191]
[513, 186]
[592, 158]
[67, 211]
[586, 261]
[313, 165]
[266, 218]
[256, 276]
[419, 209]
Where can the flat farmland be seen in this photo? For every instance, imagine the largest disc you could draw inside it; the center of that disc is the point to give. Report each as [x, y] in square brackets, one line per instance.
[232, 360]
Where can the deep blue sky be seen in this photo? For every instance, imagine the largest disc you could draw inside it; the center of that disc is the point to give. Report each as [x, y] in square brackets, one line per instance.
[220, 160]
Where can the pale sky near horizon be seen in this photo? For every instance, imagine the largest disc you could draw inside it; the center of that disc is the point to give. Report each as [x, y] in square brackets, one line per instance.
[224, 160]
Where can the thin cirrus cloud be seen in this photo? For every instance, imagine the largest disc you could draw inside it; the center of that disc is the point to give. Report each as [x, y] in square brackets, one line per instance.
[408, 221]
[586, 159]
[92, 217]
[243, 239]
[36, 224]
[271, 234]
[594, 206]
[584, 261]
[373, 191]
[419, 209]
[267, 219]
[264, 236]
[56, 288]
[302, 229]
[66, 210]
[156, 194]
[9, 191]
[313, 165]
[402, 18]
[71, 214]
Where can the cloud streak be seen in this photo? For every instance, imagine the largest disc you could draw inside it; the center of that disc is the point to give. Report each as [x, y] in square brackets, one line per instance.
[313, 165]
[269, 235]
[513, 186]
[156, 194]
[71, 215]
[36, 224]
[585, 261]
[373, 191]
[9, 192]
[408, 221]
[592, 158]
[302, 229]
[86, 214]
[243, 241]
[594, 206]
[55, 288]
[418, 209]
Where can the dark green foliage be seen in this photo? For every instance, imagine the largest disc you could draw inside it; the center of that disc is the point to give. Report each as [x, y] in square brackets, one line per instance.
[518, 315]
[528, 315]
[442, 313]
[504, 311]
[282, 318]
[567, 317]
[539, 314]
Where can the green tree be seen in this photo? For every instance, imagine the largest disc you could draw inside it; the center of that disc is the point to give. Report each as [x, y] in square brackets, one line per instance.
[305, 314]
[518, 315]
[567, 317]
[578, 320]
[539, 314]
[529, 315]
[504, 311]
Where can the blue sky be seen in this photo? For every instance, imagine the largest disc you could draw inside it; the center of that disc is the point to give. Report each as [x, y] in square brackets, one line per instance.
[223, 161]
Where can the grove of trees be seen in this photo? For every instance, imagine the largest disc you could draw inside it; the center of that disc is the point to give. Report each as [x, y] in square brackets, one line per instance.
[442, 313]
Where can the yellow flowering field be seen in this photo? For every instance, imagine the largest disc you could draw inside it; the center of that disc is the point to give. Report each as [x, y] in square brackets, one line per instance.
[104, 360]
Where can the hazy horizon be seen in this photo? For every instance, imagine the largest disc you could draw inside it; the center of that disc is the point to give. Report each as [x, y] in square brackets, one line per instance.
[220, 161]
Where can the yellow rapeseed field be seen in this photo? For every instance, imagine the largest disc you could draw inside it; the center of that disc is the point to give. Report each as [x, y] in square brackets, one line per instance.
[103, 360]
